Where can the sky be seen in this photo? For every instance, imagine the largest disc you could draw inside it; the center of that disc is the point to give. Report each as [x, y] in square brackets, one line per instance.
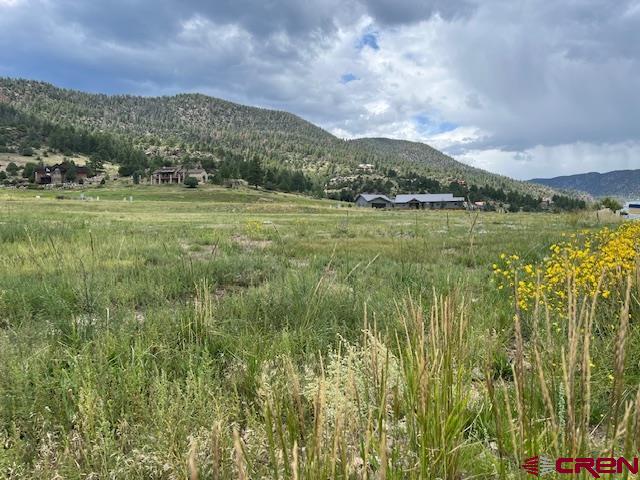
[527, 88]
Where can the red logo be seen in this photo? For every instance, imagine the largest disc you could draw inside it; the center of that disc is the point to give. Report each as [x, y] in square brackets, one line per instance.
[595, 466]
[539, 466]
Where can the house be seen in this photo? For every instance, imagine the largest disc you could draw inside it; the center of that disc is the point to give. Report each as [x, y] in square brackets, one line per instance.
[367, 167]
[177, 175]
[373, 200]
[60, 173]
[413, 200]
[429, 201]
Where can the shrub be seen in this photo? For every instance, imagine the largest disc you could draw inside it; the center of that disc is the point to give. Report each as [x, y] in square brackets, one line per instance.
[611, 204]
[191, 182]
[29, 170]
[26, 151]
[12, 168]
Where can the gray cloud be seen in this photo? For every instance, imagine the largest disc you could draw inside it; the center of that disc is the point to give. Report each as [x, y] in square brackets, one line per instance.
[564, 74]
[398, 12]
[520, 80]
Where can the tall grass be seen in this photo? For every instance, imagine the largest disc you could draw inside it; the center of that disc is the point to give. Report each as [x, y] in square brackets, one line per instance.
[409, 406]
[201, 350]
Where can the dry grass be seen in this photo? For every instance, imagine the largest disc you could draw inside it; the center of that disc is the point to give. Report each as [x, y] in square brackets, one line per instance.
[373, 348]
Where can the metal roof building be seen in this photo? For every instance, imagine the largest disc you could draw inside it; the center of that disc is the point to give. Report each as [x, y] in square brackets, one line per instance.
[413, 200]
[373, 200]
[428, 201]
[428, 197]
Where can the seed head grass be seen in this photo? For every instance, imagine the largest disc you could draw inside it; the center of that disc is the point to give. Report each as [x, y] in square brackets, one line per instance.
[218, 334]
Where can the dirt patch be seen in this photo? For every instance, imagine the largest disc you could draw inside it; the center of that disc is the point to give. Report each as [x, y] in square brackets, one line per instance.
[222, 292]
[299, 263]
[200, 252]
[139, 316]
[249, 244]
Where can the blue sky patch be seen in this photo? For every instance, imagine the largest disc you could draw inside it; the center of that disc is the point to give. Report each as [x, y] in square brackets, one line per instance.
[428, 126]
[369, 40]
[348, 77]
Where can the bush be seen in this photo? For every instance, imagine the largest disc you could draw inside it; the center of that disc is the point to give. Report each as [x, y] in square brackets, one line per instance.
[29, 171]
[71, 174]
[12, 169]
[26, 151]
[191, 182]
[611, 204]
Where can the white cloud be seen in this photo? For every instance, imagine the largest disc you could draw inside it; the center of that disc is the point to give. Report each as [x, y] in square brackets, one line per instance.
[456, 138]
[526, 88]
[377, 107]
[545, 161]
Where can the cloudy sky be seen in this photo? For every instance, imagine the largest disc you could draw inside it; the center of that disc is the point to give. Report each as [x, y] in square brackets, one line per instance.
[528, 88]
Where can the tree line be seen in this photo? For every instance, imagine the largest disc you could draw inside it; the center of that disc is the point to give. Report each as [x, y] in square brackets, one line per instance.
[410, 182]
[22, 133]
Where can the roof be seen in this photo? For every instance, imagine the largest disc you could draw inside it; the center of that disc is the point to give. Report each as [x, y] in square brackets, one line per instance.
[48, 169]
[372, 196]
[178, 169]
[428, 197]
[167, 170]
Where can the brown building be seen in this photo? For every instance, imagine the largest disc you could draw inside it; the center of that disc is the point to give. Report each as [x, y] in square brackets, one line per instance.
[59, 174]
[177, 175]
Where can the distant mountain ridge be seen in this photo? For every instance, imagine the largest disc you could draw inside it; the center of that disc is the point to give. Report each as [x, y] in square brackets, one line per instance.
[622, 184]
[195, 123]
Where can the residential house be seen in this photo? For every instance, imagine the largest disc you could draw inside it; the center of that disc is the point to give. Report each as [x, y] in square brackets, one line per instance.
[367, 167]
[177, 175]
[373, 200]
[414, 200]
[429, 201]
[60, 174]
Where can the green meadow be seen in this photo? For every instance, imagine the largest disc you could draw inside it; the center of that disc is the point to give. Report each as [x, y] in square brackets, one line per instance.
[219, 333]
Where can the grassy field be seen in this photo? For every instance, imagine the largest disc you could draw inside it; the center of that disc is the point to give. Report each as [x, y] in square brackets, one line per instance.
[217, 333]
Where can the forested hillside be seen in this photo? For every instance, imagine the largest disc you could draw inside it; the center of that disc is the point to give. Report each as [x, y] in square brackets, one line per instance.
[435, 163]
[271, 148]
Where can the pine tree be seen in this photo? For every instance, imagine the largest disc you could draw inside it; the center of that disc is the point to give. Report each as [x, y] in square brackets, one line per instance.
[254, 173]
